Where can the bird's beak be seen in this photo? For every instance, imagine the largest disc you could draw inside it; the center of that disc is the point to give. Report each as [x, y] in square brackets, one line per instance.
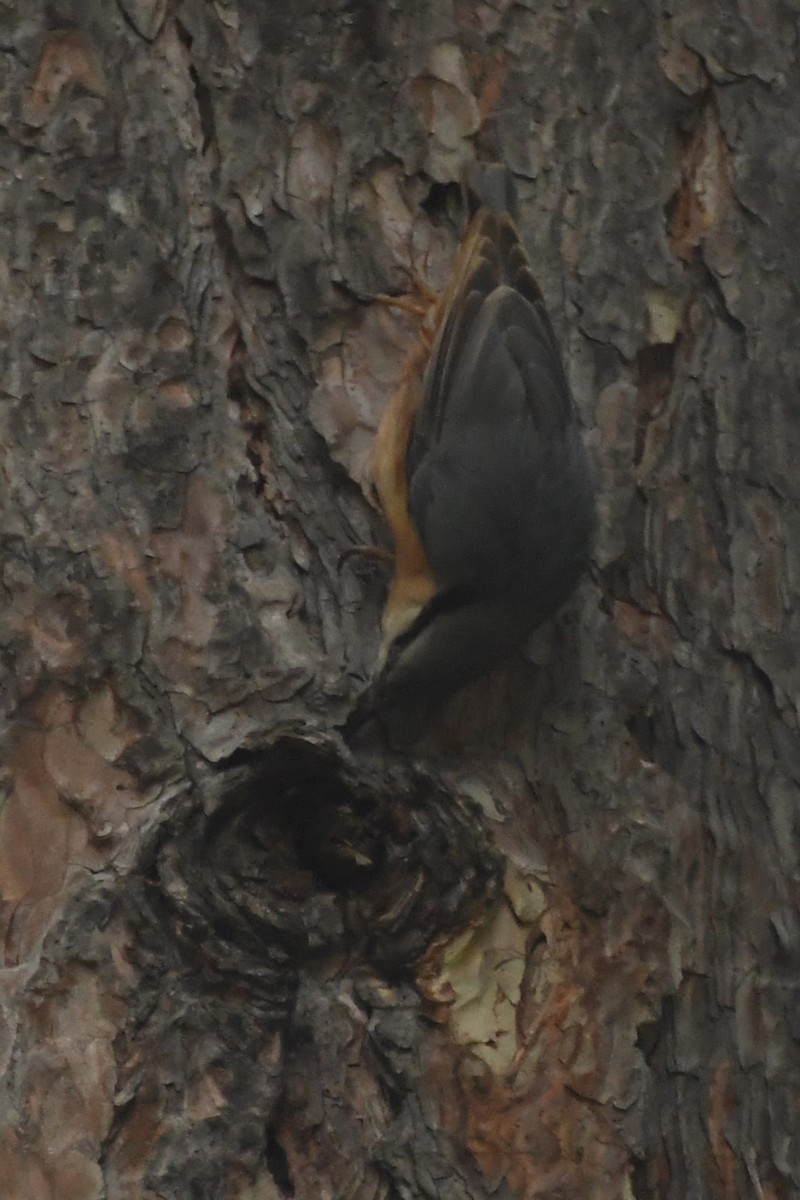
[364, 712]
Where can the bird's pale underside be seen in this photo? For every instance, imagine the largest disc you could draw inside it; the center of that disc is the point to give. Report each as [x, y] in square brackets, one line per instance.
[481, 473]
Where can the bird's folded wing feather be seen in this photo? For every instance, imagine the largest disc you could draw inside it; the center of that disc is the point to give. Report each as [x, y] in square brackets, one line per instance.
[496, 336]
[494, 454]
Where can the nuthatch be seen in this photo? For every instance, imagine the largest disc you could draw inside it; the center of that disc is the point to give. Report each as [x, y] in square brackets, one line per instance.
[480, 471]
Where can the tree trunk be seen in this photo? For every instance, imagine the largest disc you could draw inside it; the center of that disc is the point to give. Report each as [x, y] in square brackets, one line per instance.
[552, 949]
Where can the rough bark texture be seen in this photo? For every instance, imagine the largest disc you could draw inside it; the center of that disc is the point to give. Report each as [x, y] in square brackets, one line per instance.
[555, 952]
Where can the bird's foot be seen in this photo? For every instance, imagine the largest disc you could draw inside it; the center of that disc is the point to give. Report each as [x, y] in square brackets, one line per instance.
[376, 553]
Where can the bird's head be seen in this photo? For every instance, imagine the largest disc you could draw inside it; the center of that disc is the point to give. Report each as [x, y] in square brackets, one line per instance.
[426, 656]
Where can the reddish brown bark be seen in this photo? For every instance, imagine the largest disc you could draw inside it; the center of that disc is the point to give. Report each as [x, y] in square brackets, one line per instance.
[553, 952]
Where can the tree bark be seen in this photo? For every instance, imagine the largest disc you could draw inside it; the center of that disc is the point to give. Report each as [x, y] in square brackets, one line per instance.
[551, 950]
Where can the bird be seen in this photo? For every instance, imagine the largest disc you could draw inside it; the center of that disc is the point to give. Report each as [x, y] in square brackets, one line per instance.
[480, 471]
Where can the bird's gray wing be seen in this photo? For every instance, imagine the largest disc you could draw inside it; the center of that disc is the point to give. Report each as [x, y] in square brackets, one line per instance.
[497, 473]
[497, 299]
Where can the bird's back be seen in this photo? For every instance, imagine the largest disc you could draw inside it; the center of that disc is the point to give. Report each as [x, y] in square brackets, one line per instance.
[499, 482]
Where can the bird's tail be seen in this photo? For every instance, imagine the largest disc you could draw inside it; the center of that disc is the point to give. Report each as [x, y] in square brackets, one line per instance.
[490, 185]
